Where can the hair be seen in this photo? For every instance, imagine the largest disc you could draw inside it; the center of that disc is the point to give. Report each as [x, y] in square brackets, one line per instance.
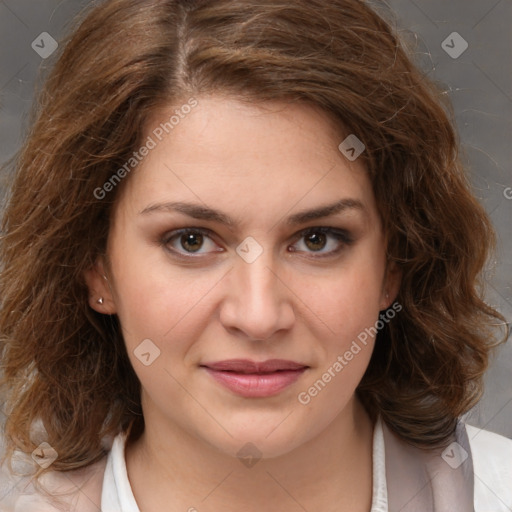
[66, 365]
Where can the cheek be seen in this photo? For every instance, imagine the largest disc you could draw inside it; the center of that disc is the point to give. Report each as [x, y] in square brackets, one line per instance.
[348, 300]
[348, 311]
[159, 301]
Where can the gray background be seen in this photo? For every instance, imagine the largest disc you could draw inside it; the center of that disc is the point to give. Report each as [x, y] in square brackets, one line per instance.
[479, 83]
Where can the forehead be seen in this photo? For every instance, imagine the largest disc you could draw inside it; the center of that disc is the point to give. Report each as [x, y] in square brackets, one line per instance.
[263, 158]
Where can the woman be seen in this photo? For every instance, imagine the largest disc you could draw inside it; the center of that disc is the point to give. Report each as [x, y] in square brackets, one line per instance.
[240, 268]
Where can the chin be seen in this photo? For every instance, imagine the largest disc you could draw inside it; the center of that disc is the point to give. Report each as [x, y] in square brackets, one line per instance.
[259, 441]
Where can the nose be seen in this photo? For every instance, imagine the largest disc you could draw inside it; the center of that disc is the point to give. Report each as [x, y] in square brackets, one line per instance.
[258, 303]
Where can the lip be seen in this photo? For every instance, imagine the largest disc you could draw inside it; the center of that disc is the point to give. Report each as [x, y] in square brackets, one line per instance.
[253, 379]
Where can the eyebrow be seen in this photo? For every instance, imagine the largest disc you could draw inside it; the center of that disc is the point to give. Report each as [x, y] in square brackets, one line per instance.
[202, 212]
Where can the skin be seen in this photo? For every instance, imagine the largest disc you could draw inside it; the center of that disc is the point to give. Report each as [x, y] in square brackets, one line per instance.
[259, 164]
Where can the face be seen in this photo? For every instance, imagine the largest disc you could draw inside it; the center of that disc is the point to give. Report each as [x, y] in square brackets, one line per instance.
[213, 258]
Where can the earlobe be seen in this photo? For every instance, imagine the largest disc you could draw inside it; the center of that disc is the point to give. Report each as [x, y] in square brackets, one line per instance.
[100, 293]
[391, 285]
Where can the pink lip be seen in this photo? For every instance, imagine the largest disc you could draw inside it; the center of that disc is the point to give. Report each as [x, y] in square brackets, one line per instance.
[255, 380]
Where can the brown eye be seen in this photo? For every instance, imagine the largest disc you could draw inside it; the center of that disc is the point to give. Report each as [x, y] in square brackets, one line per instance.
[325, 241]
[191, 242]
[316, 241]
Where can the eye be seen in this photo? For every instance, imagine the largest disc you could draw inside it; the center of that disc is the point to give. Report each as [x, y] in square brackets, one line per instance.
[190, 241]
[320, 241]
[324, 241]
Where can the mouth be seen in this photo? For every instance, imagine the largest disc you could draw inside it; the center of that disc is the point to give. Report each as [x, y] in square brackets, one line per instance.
[253, 379]
[248, 366]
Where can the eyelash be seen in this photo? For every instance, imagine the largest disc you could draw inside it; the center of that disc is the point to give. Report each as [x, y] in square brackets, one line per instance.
[342, 236]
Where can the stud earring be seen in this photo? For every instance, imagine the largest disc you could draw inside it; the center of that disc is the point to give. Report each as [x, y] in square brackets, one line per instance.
[100, 300]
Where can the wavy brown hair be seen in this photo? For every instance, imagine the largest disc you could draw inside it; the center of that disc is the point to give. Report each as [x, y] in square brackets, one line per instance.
[66, 365]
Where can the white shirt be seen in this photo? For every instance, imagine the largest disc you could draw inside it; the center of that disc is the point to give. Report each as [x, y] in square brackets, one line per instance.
[492, 466]
[492, 462]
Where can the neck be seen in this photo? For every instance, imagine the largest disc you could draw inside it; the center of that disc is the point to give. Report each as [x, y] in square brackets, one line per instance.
[331, 472]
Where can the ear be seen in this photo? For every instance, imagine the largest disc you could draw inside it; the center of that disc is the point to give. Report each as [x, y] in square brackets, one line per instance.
[391, 286]
[100, 292]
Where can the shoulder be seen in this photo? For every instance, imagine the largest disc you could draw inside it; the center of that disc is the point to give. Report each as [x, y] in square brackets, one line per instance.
[78, 490]
[492, 466]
